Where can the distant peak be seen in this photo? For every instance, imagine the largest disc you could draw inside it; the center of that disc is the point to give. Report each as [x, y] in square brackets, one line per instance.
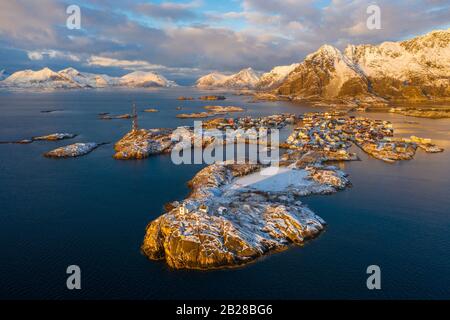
[46, 69]
[329, 49]
[69, 69]
[247, 70]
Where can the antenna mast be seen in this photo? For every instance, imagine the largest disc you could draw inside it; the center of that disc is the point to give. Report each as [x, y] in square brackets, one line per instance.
[134, 116]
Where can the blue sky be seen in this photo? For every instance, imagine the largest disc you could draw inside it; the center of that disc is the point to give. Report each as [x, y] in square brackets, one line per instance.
[186, 39]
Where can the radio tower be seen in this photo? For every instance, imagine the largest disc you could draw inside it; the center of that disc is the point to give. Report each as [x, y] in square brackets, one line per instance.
[134, 116]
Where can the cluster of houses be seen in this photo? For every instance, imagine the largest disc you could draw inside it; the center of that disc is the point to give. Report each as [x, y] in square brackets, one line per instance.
[336, 131]
[322, 131]
[276, 121]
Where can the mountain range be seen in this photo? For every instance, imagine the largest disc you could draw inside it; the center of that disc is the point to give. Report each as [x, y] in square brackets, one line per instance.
[71, 78]
[415, 69]
[246, 79]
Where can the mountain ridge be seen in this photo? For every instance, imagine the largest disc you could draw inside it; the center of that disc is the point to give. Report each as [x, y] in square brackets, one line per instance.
[71, 78]
[416, 69]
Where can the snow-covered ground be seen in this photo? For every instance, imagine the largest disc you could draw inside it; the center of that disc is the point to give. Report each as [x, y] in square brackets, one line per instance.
[273, 179]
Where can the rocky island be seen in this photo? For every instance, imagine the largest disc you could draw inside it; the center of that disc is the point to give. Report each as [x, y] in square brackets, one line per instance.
[212, 111]
[195, 115]
[141, 143]
[237, 213]
[54, 137]
[73, 150]
[222, 109]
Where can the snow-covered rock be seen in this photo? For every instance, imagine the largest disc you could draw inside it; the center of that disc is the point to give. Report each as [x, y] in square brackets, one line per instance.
[275, 76]
[73, 150]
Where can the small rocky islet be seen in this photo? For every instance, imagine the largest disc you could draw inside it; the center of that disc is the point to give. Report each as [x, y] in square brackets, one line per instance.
[211, 111]
[107, 116]
[151, 110]
[431, 113]
[49, 137]
[73, 150]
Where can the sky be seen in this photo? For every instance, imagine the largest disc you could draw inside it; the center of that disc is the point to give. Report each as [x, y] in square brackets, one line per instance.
[187, 39]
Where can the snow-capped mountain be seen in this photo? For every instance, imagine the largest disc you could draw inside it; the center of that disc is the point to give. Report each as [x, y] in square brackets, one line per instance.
[326, 73]
[44, 78]
[412, 69]
[275, 76]
[211, 80]
[415, 69]
[145, 79]
[71, 78]
[244, 79]
[88, 79]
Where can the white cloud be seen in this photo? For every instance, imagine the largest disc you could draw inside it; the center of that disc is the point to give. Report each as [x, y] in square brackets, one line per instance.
[52, 54]
[141, 65]
[125, 64]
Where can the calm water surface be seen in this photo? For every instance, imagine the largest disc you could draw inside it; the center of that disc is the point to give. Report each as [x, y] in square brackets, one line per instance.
[92, 211]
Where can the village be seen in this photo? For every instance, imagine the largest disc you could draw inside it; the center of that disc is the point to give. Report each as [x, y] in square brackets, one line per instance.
[334, 132]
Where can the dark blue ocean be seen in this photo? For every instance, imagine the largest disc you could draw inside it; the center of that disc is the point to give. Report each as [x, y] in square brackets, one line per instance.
[92, 211]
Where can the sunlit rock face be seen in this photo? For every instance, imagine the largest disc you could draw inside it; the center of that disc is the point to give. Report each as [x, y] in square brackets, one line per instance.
[412, 70]
[237, 213]
[326, 73]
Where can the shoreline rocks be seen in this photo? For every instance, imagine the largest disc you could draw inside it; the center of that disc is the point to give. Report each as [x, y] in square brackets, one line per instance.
[431, 113]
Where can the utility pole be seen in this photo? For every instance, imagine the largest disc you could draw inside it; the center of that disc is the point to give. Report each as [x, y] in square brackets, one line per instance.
[134, 116]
